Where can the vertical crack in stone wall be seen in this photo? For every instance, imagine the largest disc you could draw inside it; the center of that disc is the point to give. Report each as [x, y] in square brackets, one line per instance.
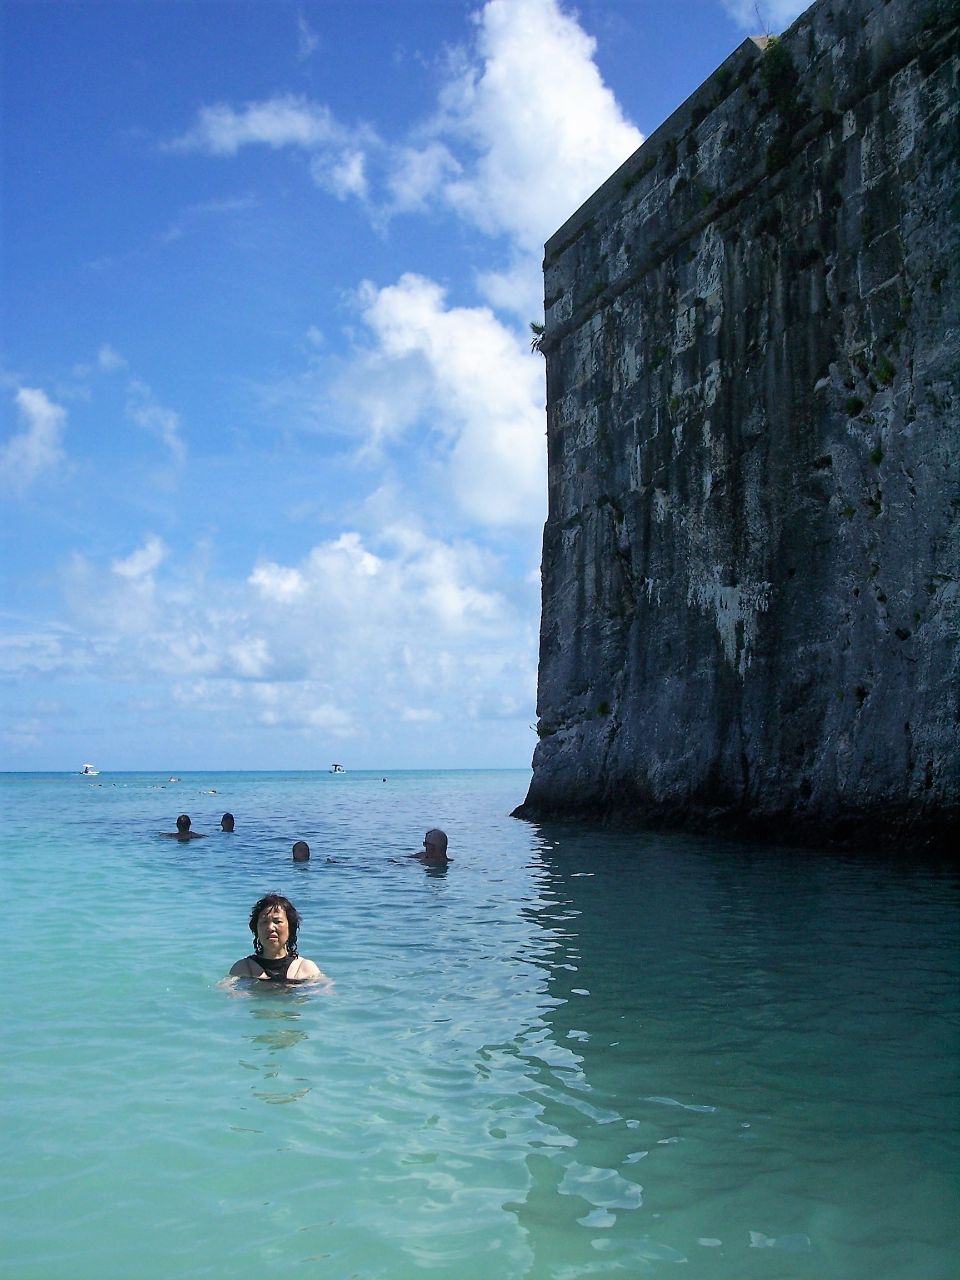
[750, 563]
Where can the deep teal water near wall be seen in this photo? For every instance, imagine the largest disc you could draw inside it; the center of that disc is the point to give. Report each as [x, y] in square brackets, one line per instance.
[575, 1053]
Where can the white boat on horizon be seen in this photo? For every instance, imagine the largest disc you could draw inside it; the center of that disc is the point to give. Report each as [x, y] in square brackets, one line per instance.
[88, 771]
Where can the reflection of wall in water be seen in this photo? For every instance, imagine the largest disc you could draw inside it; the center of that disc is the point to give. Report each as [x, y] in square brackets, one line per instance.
[708, 999]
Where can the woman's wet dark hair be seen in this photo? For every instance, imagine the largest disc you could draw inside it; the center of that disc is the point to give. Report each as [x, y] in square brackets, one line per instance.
[289, 910]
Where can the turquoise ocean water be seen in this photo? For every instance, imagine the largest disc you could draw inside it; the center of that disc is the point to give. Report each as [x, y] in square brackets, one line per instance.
[574, 1053]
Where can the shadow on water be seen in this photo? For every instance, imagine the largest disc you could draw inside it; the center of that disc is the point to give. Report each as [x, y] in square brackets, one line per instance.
[719, 1017]
[277, 1012]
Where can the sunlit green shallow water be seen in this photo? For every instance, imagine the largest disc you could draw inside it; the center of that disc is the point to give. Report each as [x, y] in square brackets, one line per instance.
[575, 1053]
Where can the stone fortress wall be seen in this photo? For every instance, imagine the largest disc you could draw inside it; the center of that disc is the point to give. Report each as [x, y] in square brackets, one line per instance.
[751, 559]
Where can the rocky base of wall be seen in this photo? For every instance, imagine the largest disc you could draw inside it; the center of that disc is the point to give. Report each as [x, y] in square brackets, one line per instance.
[897, 831]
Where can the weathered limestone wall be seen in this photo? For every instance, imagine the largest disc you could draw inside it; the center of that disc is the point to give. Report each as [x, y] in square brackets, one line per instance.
[750, 564]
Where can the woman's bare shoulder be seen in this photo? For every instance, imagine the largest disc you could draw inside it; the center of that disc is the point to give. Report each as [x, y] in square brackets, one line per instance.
[306, 971]
[245, 968]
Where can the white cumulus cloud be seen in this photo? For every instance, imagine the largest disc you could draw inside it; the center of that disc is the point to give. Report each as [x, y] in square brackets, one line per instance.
[357, 638]
[277, 583]
[543, 129]
[483, 392]
[37, 447]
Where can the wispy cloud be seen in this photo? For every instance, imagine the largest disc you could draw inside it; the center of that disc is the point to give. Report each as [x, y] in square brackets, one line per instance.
[285, 121]
[307, 39]
[56, 650]
[203, 212]
[37, 447]
[142, 562]
[416, 173]
[343, 173]
[108, 359]
[144, 410]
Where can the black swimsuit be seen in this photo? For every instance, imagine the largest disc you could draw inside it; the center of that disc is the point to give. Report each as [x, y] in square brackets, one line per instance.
[276, 970]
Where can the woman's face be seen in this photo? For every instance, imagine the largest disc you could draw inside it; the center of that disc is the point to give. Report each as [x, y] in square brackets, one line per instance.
[272, 929]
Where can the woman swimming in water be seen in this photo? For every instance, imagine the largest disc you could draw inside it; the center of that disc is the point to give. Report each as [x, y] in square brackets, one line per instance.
[274, 922]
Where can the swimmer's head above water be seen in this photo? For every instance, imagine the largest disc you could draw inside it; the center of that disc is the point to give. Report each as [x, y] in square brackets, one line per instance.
[434, 847]
[183, 831]
[301, 851]
[266, 923]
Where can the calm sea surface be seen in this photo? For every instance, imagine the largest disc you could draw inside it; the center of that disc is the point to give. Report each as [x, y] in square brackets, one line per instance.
[574, 1053]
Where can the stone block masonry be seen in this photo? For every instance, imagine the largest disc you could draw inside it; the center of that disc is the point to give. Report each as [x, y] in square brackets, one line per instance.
[751, 561]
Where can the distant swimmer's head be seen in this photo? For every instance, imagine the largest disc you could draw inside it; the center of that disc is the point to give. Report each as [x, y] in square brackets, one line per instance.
[435, 846]
[226, 822]
[183, 823]
[274, 921]
[301, 851]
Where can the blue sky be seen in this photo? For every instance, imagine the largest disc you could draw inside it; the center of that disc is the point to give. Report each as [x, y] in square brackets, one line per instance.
[271, 436]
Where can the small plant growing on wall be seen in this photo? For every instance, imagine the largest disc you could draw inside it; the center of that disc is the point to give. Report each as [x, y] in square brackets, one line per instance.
[884, 370]
[779, 76]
